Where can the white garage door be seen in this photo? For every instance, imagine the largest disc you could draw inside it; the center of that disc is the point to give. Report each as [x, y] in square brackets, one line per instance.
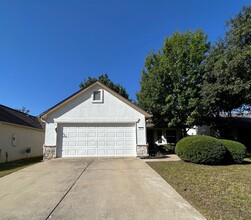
[98, 140]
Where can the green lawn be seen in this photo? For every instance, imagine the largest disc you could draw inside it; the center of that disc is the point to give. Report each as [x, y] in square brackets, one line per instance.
[217, 192]
[8, 168]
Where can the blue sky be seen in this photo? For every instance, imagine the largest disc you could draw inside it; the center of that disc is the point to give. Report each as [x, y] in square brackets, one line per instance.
[47, 47]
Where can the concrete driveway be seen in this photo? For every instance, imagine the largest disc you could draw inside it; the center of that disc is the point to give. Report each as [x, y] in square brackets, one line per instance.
[91, 188]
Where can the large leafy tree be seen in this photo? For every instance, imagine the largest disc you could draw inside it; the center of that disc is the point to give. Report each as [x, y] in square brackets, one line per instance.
[227, 81]
[103, 78]
[171, 80]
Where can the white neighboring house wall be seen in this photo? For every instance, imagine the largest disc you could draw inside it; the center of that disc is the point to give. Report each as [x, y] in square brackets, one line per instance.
[192, 131]
[199, 130]
[82, 109]
[14, 139]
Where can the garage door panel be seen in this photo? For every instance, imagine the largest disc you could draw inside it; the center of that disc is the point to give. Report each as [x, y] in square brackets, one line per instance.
[72, 134]
[81, 134]
[110, 143]
[101, 152]
[129, 152]
[120, 143]
[120, 134]
[101, 143]
[91, 143]
[91, 134]
[128, 142]
[101, 134]
[111, 152]
[72, 152]
[120, 152]
[128, 134]
[91, 152]
[82, 143]
[98, 140]
[81, 152]
[72, 143]
[110, 134]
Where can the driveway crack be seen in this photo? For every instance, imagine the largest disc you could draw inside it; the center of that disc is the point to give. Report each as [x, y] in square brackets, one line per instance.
[50, 214]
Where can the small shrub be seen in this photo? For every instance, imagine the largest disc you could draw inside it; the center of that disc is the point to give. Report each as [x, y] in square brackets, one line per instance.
[162, 149]
[201, 149]
[170, 148]
[152, 149]
[235, 151]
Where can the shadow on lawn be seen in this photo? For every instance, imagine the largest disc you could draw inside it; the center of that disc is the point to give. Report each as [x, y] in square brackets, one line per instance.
[20, 163]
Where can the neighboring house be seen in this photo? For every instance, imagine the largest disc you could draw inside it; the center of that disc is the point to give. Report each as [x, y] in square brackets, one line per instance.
[95, 121]
[236, 128]
[199, 130]
[19, 132]
[233, 128]
[160, 136]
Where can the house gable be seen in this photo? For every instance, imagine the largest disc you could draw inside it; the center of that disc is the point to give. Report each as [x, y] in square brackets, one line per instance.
[93, 87]
[84, 109]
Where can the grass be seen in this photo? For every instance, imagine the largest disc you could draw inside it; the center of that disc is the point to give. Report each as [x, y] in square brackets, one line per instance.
[248, 156]
[217, 192]
[13, 166]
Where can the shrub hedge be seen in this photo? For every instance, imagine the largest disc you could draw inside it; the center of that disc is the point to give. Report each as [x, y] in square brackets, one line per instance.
[201, 149]
[170, 148]
[235, 151]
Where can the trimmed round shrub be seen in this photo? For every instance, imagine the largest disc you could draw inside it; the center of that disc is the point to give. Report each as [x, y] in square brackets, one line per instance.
[201, 150]
[235, 151]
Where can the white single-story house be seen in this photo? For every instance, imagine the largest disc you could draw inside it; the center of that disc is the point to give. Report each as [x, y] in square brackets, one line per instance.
[21, 135]
[95, 121]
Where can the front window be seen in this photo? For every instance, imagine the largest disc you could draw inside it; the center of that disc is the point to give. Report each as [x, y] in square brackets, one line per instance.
[171, 136]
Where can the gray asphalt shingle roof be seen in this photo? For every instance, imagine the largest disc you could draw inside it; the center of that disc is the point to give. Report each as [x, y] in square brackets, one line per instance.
[13, 116]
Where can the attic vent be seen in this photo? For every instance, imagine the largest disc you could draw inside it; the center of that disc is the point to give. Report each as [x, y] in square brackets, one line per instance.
[97, 96]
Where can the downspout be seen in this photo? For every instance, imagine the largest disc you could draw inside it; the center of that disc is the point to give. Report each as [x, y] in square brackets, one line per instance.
[44, 139]
[136, 127]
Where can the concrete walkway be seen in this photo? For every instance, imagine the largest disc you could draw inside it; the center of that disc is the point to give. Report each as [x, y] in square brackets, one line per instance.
[169, 157]
[88, 188]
